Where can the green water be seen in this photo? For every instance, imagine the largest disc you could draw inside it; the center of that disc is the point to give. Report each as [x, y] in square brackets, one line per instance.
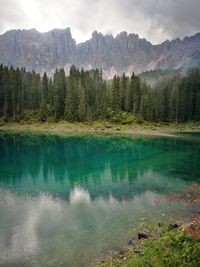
[69, 201]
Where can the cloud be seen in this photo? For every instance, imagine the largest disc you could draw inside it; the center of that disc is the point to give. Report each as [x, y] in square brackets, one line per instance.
[156, 20]
[11, 15]
[173, 18]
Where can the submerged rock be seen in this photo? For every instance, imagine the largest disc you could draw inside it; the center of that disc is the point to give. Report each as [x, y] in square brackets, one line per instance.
[142, 235]
[116, 250]
[133, 242]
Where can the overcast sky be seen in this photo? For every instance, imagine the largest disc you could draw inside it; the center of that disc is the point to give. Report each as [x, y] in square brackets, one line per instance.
[155, 20]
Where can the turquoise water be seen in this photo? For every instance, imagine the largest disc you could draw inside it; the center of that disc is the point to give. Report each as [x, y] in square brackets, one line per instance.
[67, 201]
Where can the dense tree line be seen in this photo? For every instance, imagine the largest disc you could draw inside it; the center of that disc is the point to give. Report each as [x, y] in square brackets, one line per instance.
[84, 95]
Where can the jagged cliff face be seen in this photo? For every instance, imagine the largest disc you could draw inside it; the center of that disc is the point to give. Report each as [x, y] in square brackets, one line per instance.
[38, 51]
[124, 53]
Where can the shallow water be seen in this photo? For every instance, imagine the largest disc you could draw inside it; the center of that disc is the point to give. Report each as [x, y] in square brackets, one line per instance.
[68, 201]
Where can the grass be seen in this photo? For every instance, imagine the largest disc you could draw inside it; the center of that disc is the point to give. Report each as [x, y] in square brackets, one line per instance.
[64, 128]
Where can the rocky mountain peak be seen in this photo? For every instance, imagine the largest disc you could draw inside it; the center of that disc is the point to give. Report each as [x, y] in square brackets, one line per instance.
[126, 52]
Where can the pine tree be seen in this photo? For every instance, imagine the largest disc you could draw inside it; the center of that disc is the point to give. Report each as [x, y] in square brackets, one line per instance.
[173, 105]
[6, 93]
[124, 92]
[71, 104]
[44, 98]
[43, 110]
[45, 88]
[116, 94]
[81, 103]
[83, 95]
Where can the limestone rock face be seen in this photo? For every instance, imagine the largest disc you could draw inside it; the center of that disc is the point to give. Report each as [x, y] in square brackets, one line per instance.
[124, 53]
[39, 51]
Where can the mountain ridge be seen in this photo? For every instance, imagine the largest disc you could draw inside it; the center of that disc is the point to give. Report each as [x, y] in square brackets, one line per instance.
[126, 52]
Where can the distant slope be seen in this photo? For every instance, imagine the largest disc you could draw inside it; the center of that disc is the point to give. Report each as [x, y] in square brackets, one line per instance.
[124, 53]
[154, 76]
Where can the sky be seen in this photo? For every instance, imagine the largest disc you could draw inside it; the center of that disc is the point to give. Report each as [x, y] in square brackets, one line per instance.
[155, 20]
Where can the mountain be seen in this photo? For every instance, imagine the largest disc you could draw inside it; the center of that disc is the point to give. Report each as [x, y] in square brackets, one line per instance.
[123, 53]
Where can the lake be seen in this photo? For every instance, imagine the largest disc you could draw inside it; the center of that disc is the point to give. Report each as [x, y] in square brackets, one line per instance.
[68, 201]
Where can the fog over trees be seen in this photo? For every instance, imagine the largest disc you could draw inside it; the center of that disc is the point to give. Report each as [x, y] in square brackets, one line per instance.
[84, 95]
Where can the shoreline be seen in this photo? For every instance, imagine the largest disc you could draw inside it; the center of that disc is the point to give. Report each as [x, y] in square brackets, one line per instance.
[104, 127]
[163, 243]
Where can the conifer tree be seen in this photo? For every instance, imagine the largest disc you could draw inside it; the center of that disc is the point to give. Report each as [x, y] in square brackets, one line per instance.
[81, 103]
[116, 94]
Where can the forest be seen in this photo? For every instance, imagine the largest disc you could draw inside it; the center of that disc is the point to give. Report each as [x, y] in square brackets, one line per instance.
[85, 95]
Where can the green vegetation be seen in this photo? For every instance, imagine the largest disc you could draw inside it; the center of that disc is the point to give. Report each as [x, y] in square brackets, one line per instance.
[167, 245]
[135, 128]
[154, 76]
[85, 96]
